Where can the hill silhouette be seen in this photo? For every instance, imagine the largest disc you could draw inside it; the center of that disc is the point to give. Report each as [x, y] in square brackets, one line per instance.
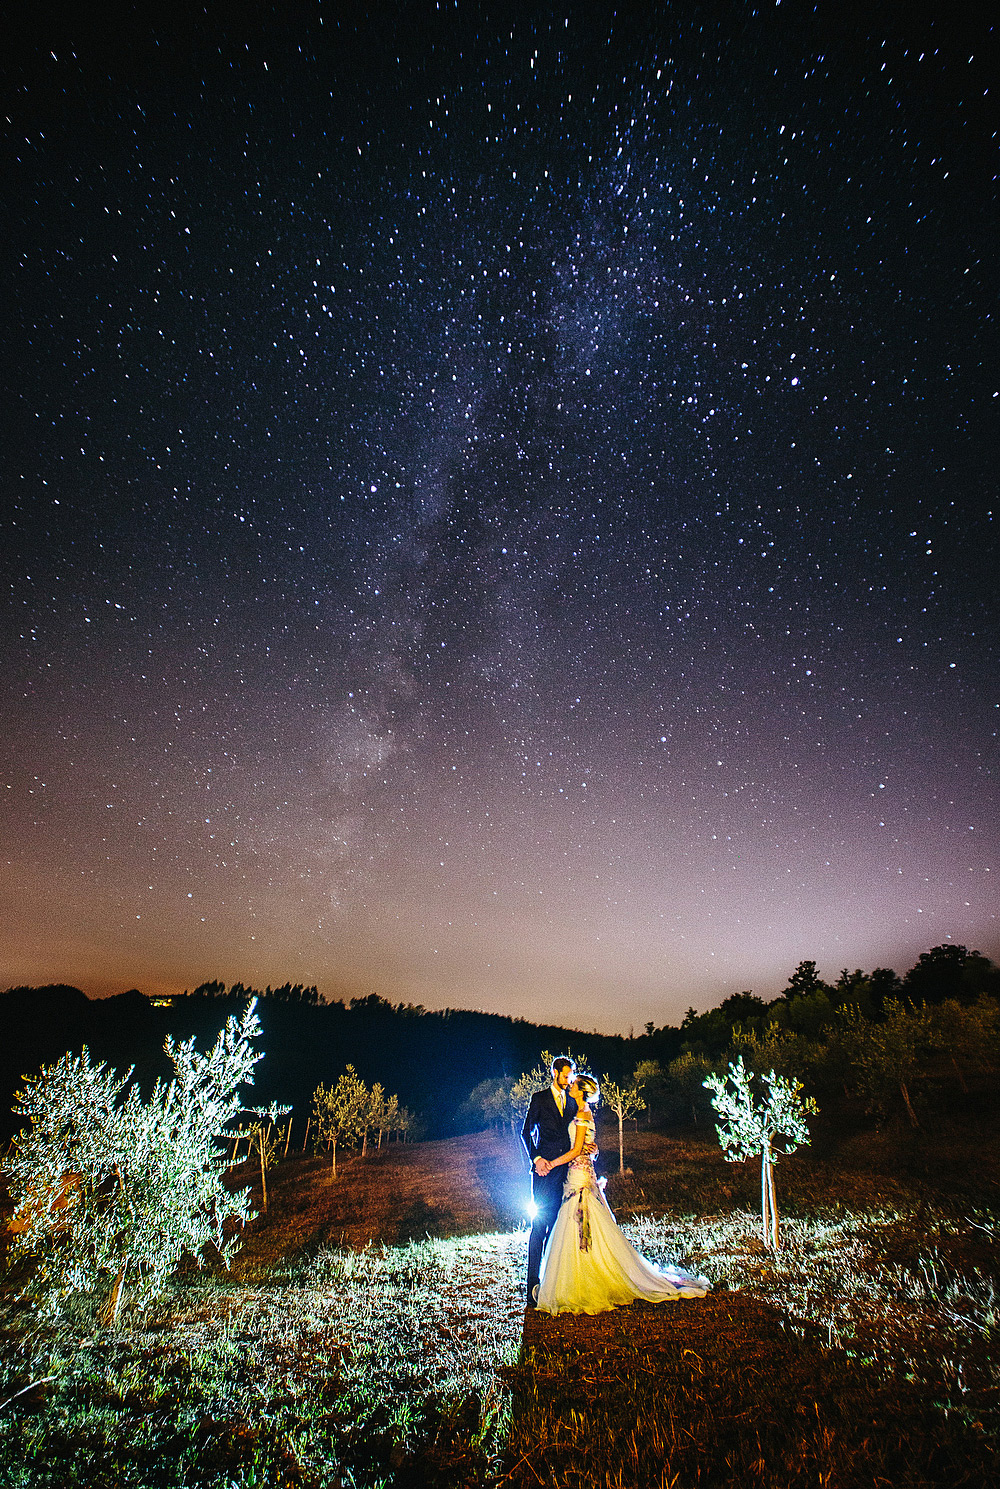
[431, 1060]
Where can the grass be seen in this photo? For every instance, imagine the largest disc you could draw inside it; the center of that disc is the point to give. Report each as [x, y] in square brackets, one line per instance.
[355, 1368]
[865, 1352]
[722, 1393]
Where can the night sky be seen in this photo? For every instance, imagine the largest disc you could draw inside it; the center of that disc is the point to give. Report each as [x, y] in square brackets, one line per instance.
[497, 500]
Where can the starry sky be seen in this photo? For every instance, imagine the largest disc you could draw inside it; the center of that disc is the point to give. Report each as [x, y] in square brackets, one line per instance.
[497, 504]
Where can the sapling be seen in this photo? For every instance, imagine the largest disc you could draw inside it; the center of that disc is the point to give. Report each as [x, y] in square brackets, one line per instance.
[624, 1101]
[338, 1112]
[109, 1188]
[754, 1121]
[388, 1117]
[264, 1134]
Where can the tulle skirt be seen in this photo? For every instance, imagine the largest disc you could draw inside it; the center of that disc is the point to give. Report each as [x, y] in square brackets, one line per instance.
[589, 1266]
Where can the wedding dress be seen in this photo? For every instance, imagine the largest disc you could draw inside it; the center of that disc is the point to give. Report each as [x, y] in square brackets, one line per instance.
[589, 1266]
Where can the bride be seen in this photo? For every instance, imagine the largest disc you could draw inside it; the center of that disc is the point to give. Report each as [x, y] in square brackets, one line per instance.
[589, 1266]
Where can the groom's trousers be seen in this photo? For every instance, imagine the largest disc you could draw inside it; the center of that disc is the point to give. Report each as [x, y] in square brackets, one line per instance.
[546, 1192]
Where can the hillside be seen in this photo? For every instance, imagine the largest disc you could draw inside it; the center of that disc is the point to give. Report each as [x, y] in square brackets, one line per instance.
[431, 1060]
[459, 1186]
[479, 1182]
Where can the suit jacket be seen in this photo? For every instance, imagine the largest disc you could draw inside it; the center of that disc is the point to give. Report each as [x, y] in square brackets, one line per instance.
[545, 1132]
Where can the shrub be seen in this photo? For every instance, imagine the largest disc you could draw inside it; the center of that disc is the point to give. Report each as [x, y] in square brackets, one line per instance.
[108, 1188]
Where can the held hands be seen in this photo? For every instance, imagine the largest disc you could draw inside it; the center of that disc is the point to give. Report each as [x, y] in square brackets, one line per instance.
[544, 1167]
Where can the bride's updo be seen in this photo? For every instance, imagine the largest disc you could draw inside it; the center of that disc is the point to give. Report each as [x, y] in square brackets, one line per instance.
[589, 1087]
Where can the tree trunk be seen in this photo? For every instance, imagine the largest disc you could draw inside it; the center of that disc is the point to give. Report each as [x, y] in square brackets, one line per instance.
[621, 1151]
[775, 1234]
[263, 1166]
[334, 1163]
[288, 1136]
[115, 1301]
[909, 1105]
[958, 1072]
[768, 1202]
[305, 1140]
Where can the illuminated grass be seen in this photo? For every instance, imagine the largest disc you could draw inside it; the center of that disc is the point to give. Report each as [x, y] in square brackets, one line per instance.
[913, 1295]
[859, 1354]
[350, 1370]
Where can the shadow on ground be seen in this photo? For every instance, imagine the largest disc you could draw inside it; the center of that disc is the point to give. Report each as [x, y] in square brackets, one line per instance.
[716, 1392]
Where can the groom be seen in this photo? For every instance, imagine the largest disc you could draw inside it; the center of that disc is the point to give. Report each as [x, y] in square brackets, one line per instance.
[545, 1136]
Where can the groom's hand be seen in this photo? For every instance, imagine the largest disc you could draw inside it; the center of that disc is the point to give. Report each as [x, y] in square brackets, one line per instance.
[542, 1167]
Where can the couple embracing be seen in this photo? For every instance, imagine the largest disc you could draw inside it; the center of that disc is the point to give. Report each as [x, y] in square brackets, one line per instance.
[578, 1259]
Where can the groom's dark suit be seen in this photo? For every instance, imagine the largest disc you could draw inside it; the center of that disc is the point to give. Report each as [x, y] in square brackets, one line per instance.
[545, 1134]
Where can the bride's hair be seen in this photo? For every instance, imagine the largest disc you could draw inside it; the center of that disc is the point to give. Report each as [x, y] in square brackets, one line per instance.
[589, 1087]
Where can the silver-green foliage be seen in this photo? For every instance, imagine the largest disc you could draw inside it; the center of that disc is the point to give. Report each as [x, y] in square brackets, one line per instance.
[755, 1121]
[109, 1190]
[763, 1121]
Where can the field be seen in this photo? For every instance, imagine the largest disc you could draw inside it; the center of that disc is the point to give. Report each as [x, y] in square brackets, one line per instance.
[374, 1333]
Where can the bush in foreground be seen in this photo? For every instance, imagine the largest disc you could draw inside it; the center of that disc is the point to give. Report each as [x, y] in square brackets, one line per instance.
[109, 1189]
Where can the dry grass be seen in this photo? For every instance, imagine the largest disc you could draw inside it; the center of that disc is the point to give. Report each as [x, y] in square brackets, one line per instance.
[720, 1392]
[860, 1355]
[465, 1186]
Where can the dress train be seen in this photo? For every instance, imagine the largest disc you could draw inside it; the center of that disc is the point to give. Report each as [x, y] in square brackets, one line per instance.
[590, 1266]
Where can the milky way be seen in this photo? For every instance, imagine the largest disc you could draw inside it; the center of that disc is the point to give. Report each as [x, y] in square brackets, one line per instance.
[498, 512]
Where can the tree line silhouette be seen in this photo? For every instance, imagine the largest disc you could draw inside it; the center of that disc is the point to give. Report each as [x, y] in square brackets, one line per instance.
[435, 1060]
[430, 1059]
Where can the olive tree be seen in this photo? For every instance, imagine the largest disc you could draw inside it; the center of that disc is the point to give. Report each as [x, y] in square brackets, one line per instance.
[624, 1100]
[884, 1055]
[264, 1135]
[339, 1112]
[109, 1189]
[755, 1119]
[490, 1102]
[686, 1076]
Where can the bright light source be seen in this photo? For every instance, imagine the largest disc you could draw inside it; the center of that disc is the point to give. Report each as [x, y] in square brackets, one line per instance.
[531, 1209]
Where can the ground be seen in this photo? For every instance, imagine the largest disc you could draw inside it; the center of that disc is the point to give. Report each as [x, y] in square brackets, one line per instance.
[463, 1186]
[373, 1333]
